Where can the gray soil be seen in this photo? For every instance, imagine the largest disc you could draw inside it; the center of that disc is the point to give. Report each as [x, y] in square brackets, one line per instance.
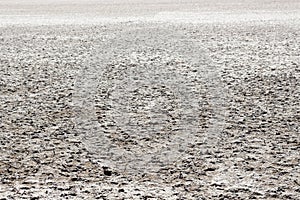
[165, 100]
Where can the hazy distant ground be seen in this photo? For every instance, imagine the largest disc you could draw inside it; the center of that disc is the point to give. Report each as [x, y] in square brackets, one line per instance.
[138, 7]
[149, 99]
[97, 11]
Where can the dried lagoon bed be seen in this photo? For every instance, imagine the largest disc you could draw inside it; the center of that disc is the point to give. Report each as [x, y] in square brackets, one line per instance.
[62, 88]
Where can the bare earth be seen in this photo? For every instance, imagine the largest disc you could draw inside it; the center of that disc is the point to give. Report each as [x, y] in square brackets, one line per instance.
[155, 99]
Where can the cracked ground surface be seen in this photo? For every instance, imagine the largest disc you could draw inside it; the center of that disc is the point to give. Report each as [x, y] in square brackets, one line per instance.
[147, 110]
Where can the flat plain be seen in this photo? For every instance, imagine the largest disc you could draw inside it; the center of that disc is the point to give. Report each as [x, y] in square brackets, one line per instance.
[149, 100]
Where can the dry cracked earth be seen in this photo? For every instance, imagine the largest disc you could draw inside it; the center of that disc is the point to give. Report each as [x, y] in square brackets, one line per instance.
[150, 110]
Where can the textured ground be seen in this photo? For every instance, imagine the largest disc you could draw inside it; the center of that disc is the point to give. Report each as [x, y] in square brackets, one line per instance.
[151, 110]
